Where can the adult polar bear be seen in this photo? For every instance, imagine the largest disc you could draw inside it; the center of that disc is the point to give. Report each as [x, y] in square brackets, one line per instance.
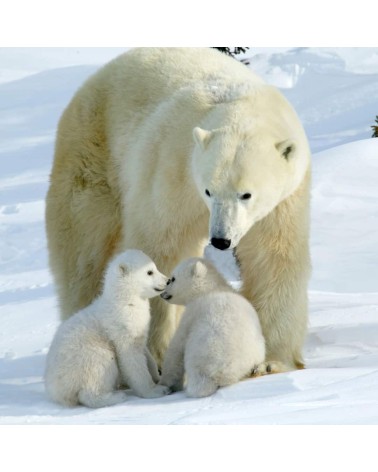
[165, 148]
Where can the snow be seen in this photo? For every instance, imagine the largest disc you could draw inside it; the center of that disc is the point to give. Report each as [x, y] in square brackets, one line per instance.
[335, 92]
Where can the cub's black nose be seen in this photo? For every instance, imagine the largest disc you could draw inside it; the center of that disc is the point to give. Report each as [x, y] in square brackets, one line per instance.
[220, 243]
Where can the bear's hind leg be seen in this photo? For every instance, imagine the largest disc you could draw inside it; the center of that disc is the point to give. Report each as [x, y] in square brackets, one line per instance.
[99, 400]
[100, 379]
[199, 385]
[83, 213]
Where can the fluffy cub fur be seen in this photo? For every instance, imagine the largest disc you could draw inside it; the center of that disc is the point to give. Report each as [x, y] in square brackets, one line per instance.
[219, 339]
[103, 346]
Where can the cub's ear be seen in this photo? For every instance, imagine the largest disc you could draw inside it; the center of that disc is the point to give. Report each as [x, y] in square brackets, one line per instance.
[123, 269]
[286, 148]
[202, 137]
[199, 269]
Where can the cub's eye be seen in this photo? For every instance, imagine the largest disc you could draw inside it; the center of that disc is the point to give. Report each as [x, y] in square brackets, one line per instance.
[207, 193]
[170, 281]
[150, 272]
[245, 196]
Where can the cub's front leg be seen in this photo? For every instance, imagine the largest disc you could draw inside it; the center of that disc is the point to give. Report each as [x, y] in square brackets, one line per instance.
[173, 366]
[152, 366]
[135, 373]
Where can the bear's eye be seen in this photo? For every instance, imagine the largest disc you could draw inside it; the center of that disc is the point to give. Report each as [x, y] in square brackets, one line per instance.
[286, 152]
[150, 272]
[245, 196]
[207, 193]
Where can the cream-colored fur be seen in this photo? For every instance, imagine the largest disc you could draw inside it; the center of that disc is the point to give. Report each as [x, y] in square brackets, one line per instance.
[159, 150]
[104, 346]
[218, 341]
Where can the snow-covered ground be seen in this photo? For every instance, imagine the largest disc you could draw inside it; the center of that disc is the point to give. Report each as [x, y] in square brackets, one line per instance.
[335, 92]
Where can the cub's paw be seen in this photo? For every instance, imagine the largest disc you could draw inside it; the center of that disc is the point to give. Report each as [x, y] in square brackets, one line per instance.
[177, 387]
[158, 391]
[271, 367]
[174, 387]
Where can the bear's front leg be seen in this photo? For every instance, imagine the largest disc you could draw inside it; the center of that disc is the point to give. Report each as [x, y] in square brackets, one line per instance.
[284, 326]
[275, 268]
[266, 368]
[285, 329]
[163, 324]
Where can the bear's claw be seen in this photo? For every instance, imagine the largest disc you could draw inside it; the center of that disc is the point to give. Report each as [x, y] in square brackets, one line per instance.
[266, 368]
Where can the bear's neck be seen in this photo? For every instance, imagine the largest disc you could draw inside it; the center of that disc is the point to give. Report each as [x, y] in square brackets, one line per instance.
[119, 303]
[212, 286]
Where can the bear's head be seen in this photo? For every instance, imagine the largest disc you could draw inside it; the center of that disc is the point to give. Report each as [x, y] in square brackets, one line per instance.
[133, 273]
[191, 279]
[252, 155]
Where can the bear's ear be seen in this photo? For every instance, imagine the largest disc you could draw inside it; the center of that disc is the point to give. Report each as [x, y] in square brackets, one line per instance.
[202, 137]
[123, 269]
[286, 148]
[199, 269]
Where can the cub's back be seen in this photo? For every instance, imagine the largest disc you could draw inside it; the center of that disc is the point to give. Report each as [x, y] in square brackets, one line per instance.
[223, 312]
[225, 337]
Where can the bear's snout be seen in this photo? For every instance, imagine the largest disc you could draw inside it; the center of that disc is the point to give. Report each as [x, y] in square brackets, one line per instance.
[165, 296]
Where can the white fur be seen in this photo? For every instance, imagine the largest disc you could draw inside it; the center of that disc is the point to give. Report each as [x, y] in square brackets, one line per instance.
[228, 163]
[103, 346]
[128, 174]
[219, 339]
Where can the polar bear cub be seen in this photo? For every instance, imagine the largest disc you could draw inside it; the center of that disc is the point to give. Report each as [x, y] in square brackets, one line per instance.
[219, 339]
[103, 346]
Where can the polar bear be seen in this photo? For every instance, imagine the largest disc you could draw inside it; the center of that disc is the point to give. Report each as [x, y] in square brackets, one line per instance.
[103, 346]
[219, 339]
[166, 150]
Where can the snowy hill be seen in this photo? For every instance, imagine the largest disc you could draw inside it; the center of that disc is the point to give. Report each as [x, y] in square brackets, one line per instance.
[345, 218]
[334, 90]
[336, 95]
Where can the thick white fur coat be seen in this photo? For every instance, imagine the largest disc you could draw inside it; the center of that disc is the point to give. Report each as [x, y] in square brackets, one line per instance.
[104, 346]
[219, 339]
[166, 149]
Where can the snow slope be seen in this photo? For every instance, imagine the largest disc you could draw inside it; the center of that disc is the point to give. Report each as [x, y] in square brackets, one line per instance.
[334, 90]
[335, 93]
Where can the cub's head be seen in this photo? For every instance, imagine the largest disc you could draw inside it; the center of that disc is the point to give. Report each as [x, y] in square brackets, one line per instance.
[252, 155]
[132, 272]
[190, 279]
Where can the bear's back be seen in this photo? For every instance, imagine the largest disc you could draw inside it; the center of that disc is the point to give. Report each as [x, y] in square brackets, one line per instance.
[148, 75]
[223, 310]
[169, 68]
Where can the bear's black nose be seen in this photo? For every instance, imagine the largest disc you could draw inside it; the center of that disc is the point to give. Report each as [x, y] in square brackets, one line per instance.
[220, 243]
